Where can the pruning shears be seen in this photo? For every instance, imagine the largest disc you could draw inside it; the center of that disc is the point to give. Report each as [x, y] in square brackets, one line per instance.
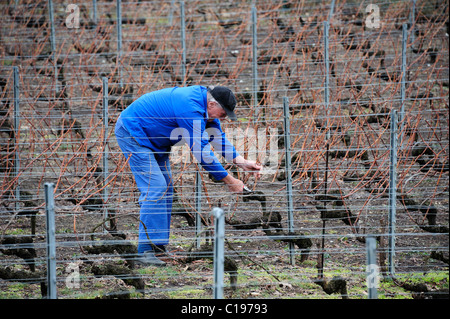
[247, 190]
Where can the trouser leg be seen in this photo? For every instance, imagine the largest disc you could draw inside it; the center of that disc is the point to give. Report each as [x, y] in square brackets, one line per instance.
[164, 164]
[152, 175]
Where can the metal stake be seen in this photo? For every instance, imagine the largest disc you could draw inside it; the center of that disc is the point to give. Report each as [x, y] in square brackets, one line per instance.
[183, 43]
[327, 106]
[51, 242]
[198, 207]
[219, 259]
[287, 146]
[94, 11]
[392, 191]
[372, 268]
[403, 81]
[330, 14]
[172, 4]
[53, 42]
[255, 61]
[412, 20]
[119, 39]
[16, 135]
[327, 74]
[105, 148]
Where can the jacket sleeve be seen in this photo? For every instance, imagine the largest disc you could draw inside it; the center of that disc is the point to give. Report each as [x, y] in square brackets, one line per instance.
[220, 142]
[193, 127]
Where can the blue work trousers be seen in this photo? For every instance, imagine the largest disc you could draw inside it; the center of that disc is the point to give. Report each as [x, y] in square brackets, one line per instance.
[151, 172]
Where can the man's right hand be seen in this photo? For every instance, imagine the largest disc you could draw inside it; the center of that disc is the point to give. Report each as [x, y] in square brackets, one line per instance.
[234, 185]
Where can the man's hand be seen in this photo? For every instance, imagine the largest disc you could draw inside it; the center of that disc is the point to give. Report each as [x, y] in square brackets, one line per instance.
[249, 166]
[234, 185]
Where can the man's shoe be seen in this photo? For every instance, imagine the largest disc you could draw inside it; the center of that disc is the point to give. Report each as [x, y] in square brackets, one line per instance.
[148, 258]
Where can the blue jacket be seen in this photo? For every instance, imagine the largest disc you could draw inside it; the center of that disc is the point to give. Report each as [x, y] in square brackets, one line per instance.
[161, 119]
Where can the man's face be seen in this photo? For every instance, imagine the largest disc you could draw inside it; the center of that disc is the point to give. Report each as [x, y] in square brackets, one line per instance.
[215, 111]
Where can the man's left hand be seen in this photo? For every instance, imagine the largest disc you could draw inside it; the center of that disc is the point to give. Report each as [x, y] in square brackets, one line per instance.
[249, 166]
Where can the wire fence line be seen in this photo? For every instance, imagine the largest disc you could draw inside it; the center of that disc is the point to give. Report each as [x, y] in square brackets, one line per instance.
[324, 89]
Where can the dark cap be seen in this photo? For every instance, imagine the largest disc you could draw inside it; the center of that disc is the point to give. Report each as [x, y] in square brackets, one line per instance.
[225, 97]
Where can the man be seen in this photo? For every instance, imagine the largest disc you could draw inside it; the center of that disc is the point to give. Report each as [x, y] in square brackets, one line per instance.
[146, 131]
